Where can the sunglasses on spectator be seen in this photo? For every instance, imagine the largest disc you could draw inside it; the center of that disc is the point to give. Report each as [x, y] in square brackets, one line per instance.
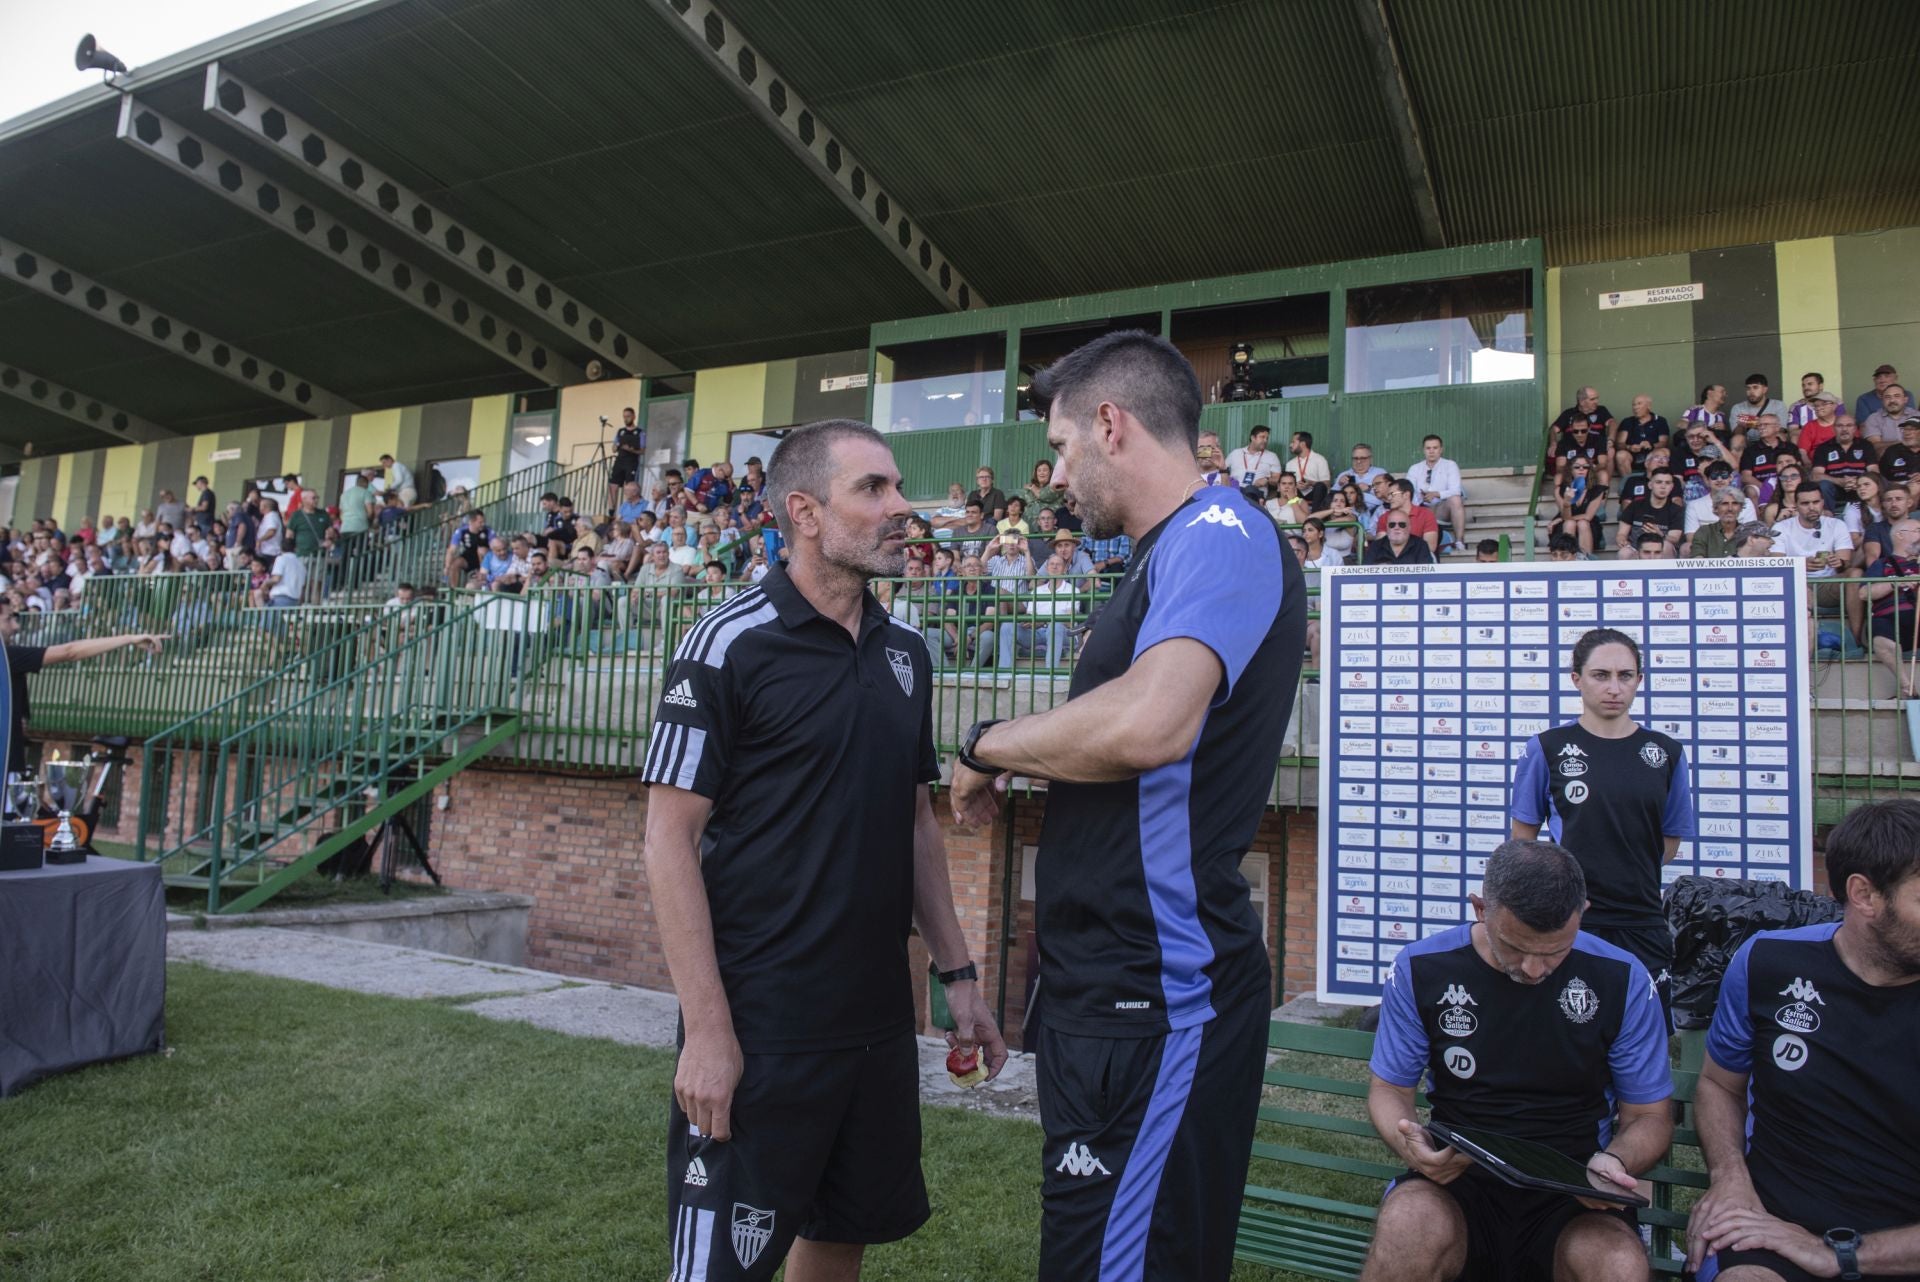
[1398, 525]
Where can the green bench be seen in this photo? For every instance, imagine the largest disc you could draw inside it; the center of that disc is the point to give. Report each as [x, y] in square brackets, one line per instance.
[1327, 1237]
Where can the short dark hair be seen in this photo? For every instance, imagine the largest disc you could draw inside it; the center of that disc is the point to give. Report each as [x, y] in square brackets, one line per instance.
[1431, 436]
[1719, 467]
[976, 505]
[1880, 841]
[405, 587]
[549, 497]
[1142, 373]
[1563, 543]
[1488, 547]
[1305, 438]
[1537, 881]
[1808, 487]
[1015, 498]
[674, 472]
[1650, 536]
[1594, 638]
[1404, 486]
[1259, 429]
[1667, 472]
[1815, 374]
[1758, 378]
[200, 480]
[803, 461]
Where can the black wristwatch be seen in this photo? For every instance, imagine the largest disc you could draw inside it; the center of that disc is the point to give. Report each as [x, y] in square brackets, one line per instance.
[968, 971]
[1846, 1249]
[972, 741]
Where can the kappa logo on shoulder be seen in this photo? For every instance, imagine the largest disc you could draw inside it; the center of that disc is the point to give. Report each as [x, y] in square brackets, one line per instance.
[1217, 515]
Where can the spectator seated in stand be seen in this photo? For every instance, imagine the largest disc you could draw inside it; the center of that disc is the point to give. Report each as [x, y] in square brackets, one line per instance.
[1487, 552]
[1437, 488]
[1565, 547]
[1015, 521]
[1581, 503]
[1361, 473]
[1703, 510]
[1718, 537]
[1893, 604]
[1763, 455]
[1400, 502]
[1659, 514]
[968, 631]
[1840, 463]
[1052, 604]
[1286, 506]
[1396, 544]
[1882, 427]
[1212, 460]
[1255, 466]
[1637, 435]
[953, 512]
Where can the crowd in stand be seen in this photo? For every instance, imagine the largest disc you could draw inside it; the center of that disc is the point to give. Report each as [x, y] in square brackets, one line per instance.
[1829, 485]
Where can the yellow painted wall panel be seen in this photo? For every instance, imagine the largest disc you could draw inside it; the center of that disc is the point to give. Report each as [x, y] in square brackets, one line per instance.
[120, 482]
[580, 409]
[725, 400]
[487, 421]
[66, 466]
[371, 434]
[1809, 286]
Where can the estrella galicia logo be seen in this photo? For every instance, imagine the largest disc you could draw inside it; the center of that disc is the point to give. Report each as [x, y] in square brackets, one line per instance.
[1217, 515]
[1799, 1015]
[1578, 1002]
[1573, 761]
[752, 1230]
[1457, 1020]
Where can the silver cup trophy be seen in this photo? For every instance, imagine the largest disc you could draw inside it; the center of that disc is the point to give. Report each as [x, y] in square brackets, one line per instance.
[68, 788]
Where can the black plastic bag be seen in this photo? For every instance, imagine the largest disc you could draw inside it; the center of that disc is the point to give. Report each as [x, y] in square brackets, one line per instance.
[1711, 917]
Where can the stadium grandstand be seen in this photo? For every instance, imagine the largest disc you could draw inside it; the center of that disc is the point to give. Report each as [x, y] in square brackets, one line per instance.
[413, 368]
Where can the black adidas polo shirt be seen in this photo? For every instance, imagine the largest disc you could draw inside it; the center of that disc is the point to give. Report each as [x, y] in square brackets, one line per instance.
[812, 747]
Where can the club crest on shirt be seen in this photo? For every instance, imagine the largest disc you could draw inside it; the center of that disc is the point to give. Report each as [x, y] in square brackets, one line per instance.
[1653, 754]
[1578, 1002]
[902, 664]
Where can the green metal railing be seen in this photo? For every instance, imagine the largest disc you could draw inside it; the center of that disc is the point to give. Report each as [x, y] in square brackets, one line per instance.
[275, 795]
[415, 551]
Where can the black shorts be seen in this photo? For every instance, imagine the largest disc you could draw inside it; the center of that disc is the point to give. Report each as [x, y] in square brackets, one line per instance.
[826, 1146]
[1652, 946]
[1884, 626]
[469, 557]
[622, 471]
[1147, 1145]
[1512, 1232]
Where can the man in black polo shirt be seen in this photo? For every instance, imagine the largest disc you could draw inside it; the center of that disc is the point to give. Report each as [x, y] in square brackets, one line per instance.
[23, 661]
[1900, 463]
[1805, 1104]
[1523, 1024]
[1841, 462]
[790, 843]
[1154, 980]
[1396, 544]
[626, 459]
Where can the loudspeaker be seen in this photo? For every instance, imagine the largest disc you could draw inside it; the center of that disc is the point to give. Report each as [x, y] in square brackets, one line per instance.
[91, 57]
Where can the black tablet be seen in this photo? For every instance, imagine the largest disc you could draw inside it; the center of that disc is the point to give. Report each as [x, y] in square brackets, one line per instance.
[1525, 1164]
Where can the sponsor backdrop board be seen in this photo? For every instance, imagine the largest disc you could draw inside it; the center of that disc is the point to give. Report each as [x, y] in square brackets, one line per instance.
[1434, 677]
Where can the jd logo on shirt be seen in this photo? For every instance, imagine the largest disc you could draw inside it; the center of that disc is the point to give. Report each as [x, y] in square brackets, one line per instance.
[1459, 1062]
[1789, 1053]
[1576, 793]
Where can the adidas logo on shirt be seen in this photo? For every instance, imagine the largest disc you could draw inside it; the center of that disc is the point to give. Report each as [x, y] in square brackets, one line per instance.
[682, 696]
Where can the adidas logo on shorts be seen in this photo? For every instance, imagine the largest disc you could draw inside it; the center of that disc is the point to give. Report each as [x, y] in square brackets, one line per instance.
[682, 696]
[697, 1173]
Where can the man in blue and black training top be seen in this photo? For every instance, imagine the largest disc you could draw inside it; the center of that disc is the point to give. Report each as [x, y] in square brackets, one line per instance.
[1806, 1102]
[1616, 794]
[1155, 986]
[1522, 1024]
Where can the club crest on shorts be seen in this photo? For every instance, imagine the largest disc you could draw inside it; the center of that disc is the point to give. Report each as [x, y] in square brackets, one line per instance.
[1653, 754]
[752, 1230]
[902, 663]
[1578, 1002]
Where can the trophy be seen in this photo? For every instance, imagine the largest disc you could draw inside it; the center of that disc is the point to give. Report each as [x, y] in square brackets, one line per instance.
[71, 790]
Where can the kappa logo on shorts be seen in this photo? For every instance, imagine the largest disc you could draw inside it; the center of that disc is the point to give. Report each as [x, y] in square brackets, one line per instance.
[681, 696]
[902, 668]
[752, 1230]
[697, 1173]
[1217, 515]
[1079, 1161]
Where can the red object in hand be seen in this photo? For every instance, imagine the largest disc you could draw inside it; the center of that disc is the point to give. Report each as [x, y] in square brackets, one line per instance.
[964, 1067]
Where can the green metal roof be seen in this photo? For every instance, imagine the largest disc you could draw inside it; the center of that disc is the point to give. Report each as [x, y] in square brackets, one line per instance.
[1050, 149]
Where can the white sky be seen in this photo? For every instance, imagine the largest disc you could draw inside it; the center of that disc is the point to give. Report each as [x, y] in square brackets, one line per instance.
[37, 38]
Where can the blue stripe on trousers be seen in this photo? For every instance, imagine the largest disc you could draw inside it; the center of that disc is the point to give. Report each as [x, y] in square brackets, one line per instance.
[1123, 1252]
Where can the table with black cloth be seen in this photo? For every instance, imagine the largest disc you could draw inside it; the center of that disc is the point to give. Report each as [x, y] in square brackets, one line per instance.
[83, 967]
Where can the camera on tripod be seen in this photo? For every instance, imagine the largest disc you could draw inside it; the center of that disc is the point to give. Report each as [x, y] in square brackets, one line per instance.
[1240, 385]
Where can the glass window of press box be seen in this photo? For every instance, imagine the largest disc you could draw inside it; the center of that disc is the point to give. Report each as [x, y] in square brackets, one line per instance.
[1269, 350]
[1042, 345]
[944, 382]
[1440, 333]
